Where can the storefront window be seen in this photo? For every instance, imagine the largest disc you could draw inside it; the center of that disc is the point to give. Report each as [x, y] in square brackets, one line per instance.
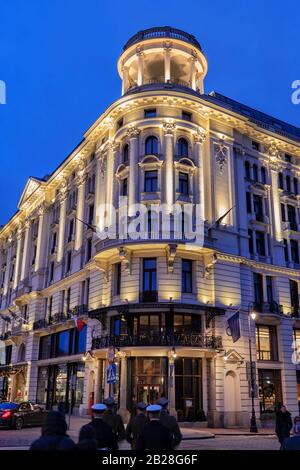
[270, 392]
[45, 347]
[188, 389]
[61, 384]
[149, 378]
[79, 385]
[41, 394]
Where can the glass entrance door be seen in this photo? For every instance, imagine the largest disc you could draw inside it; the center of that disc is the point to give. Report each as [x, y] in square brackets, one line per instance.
[148, 393]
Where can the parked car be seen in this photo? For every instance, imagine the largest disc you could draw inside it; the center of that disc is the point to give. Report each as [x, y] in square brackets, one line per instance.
[16, 415]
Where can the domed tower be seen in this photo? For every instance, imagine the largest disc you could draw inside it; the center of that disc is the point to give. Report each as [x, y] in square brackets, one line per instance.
[164, 57]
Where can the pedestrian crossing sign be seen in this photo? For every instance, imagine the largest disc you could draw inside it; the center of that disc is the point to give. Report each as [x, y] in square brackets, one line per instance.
[111, 374]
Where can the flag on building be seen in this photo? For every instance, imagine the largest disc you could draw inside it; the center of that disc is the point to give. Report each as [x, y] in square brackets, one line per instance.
[234, 326]
[78, 323]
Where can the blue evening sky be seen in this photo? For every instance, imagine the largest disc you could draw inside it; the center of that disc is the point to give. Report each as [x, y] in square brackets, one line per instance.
[58, 60]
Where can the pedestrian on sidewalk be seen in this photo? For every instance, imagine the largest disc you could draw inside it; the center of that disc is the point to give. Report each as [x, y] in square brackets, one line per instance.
[293, 443]
[284, 424]
[106, 440]
[136, 424]
[154, 436]
[113, 419]
[169, 421]
[54, 434]
[87, 438]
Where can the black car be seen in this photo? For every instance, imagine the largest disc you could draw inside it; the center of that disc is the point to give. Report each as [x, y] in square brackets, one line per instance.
[17, 415]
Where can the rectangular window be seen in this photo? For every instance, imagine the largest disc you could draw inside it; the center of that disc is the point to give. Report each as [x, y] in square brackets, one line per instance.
[63, 343]
[8, 354]
[68, 261]
[183, 183]
[91, 214]
[294, 297]
[282, 207]
[186, 276]
[255, 145]
[288, 183]
[149, 274]
[186, 116]
[294, 251]
[51, 274]
[71, 230]
[269, 287]
[291, 210]
[258, 288]
[288, 158]
[258, 208]
[151, 181]
[45, 347]
[248, 202]
[54, 240]
[117, 278]
[286, 251]
[266, 343]
[68, 300]
[150, 113]
[270, 391]
[250, 236]
[260, 243]
[88, 249]
[125, 187]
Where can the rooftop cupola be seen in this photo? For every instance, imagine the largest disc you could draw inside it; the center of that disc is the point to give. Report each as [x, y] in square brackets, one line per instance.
[162, 57]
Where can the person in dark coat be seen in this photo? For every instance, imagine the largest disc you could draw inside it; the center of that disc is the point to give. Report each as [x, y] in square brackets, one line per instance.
[87, 438]
[293, 443]
[106, 440]
[154, 436]
[169, 422]
[54, 434]
[136, 424]
[284, 424]
[113, 419]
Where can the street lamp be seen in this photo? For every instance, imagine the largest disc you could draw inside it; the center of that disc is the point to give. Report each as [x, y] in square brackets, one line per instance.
[251, 316]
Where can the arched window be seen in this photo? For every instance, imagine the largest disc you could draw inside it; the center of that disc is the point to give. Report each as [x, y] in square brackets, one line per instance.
[255, 172]
[151, 145]
[183, 147]
[263, 175]
[295, 182]
[125, 153]
[280, 180]
[247, 170]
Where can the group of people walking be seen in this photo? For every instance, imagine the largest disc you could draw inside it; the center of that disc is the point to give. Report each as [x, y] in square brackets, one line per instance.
[284, 426]
[151, 427]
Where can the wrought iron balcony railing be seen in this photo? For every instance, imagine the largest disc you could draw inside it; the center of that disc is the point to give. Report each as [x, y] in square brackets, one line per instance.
[268, 307]
[151, 338]
[60, 317]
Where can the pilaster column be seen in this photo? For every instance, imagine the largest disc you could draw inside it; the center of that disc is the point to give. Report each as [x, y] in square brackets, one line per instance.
[167, 62]
[112, 149]
[276, 212]
[62, 223]
[8, 265]
[43, 232]
[140, 78]
[199, 140]
[193, 73]
[18, 258]
[125, 80]
[171, 383]
[123, 386]
[100, 191]
[133, 190]
[169, 129]
[81, 179]
[25, 259]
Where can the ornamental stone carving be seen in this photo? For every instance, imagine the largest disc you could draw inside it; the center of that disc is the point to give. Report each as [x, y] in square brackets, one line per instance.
[200, 136]
[221, 155]
[133, 132]
[102, 163]
[113, 146]
[169, 128]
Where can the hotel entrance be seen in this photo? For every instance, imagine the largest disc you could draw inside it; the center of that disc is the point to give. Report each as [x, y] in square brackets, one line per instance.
[149, 379]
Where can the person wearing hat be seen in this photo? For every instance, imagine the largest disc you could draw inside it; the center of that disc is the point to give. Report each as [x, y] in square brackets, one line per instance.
[113, 419]
[106, 439]
[154, 435]
[293, 443]
[136, 424]
[169, 422]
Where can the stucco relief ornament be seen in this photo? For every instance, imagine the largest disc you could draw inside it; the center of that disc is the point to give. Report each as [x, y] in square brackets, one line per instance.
[274, 155]
[133, 132]
[113, 146]
[221, 152]
[169, 128]
[200, 136]
[102, 163]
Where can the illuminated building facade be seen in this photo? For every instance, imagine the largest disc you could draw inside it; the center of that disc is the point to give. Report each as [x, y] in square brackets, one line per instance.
[158, 307]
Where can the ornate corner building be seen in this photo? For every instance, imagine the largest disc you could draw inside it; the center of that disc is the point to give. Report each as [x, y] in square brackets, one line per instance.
[72, 303]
